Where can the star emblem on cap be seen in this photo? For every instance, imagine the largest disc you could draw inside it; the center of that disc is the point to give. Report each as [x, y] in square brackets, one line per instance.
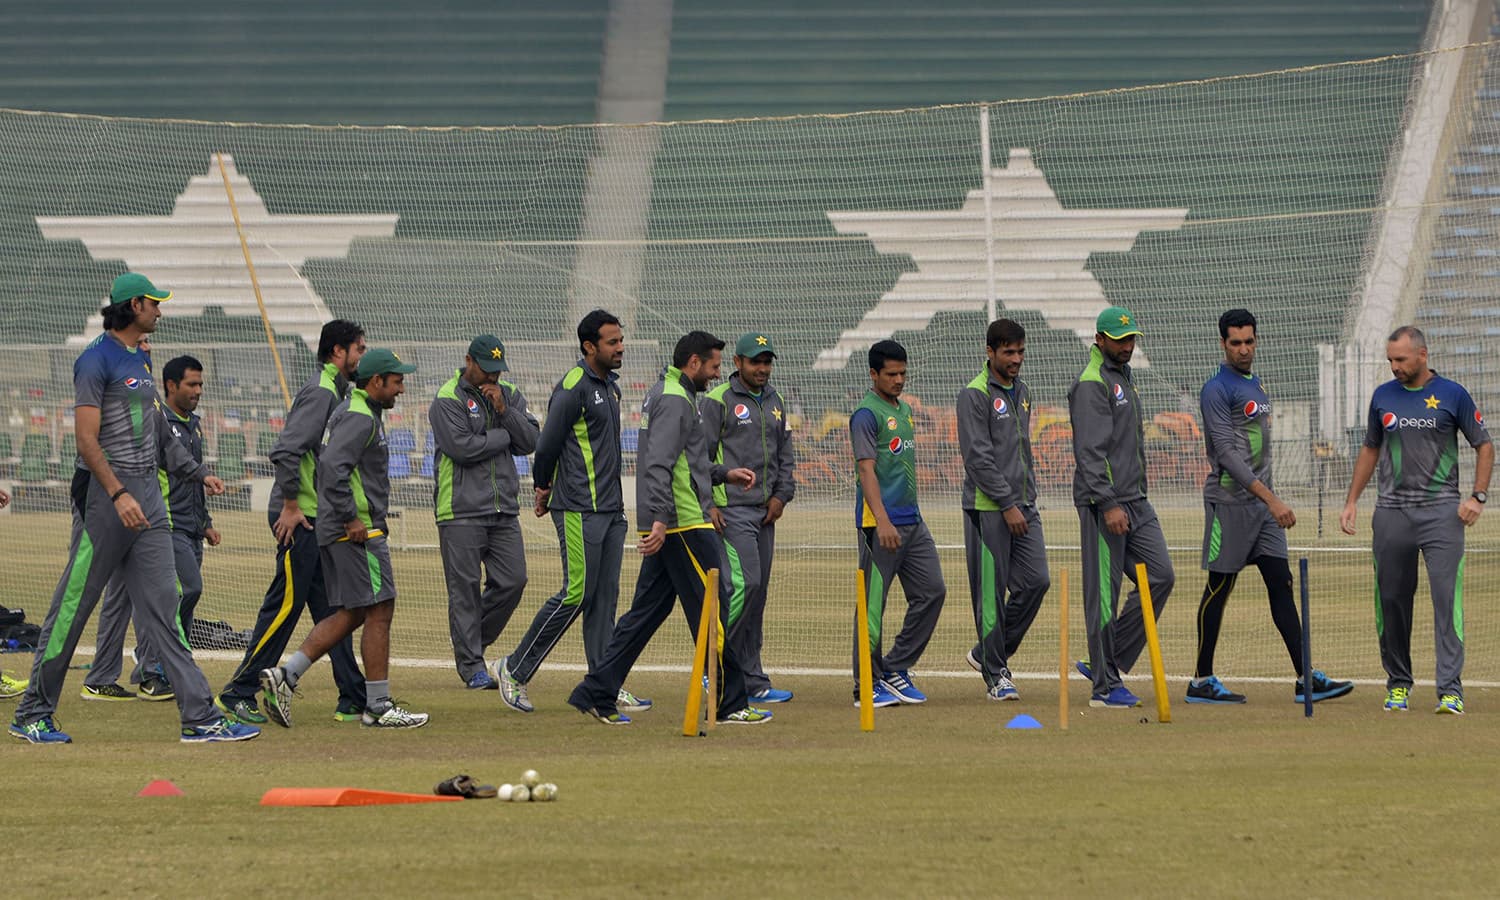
[496, 353]
[1432, 401]
[760, 340]
[1124, 320]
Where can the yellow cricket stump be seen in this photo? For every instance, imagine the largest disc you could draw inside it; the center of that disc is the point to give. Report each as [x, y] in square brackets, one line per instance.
[862, 638]
[712, 654]
[1153, 643]
[1062, 656]
[692, 717]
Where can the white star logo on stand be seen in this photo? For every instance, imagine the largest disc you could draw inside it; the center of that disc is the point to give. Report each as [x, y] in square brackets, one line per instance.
[1040, 253]
[195, 252]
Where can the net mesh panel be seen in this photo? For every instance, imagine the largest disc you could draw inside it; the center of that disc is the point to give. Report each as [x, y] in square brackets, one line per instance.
[825, 232]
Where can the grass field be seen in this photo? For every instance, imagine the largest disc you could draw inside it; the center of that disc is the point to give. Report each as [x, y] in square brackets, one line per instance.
[940, 801]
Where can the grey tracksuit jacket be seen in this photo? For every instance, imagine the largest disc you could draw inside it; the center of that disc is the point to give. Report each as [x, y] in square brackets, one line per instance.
[1109, 437]
[748, 432]
[295, 454]
[994, 437]
[675, 478]
[578, 453]
[353, 469]
[474, 463]
[187, 506]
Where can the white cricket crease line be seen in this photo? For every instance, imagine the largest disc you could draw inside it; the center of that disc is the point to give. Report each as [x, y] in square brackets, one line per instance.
[413, 662]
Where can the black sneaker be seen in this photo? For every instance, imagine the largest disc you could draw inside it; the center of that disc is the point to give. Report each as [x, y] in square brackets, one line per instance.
[1212, 691]
[1323, 688]
[106, 692]
[156, 688]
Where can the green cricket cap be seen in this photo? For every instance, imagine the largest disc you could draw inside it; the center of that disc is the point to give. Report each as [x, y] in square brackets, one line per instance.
[131, 285]
[382, 362]
[489, 353]
[754, 344]
[1117, 322]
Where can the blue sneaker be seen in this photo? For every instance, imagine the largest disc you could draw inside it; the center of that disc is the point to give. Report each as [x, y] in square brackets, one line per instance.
[1324, 688]
[1451, 704]
[1119, 698]
[481, 681]
[606, 718]
[628, 701]
[899, 684]
[1396, 699]
[772, 695]
[882, 696]
[222, 731]
[1212, 691]
[1083, 669]
[1004, 688]
[42, 731]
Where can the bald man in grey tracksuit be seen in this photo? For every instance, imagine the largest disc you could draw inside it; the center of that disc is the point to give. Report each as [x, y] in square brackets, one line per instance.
[1118, 526]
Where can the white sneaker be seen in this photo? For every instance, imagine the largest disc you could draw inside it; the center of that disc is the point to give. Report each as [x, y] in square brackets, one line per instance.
[512, 692]
[630, 702]
[394, 717]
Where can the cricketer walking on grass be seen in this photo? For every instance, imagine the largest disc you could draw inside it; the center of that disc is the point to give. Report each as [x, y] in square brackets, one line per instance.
[1244, 522]
[893, 538]
[354, 490]
[745, 421]
[1003, 543]
[576, 475]
[191, 525]
[1119, 528]
[673, 495]
[120, 526]
[480, 424]
[1411, 433]
[293, 514]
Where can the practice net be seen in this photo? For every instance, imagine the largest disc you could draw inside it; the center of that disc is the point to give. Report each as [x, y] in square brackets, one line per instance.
[827, 232]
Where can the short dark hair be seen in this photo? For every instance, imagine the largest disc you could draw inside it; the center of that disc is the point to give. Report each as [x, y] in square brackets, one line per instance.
[694, 343]
[590, 326]
[118, 315]
[178, 366]
[1002, 332]
[1411, 332]
[336, 334]
[883, 351]
[1235, 318]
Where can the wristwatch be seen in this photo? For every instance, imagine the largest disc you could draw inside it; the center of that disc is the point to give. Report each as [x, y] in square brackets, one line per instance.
[1480, 496]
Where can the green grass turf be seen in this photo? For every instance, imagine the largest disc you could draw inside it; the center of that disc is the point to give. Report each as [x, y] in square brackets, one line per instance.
[940, 801]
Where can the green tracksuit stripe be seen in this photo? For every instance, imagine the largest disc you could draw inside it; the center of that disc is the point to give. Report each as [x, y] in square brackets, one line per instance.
[736, 583]
[166, 500]
[445, 488]
[1106, 581]
[875, 605]
[1379, 614]
[372, 562]
[1215, 539]
[581, 433]
[78, 575]
[577, 557]
[1458, 601]
[989, 602]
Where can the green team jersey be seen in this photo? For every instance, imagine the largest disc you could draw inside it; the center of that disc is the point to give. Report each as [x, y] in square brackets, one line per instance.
[885, 433]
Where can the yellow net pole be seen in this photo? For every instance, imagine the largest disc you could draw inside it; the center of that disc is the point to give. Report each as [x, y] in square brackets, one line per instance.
[260, 301]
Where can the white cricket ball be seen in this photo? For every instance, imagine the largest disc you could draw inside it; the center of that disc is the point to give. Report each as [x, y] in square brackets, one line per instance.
[542, 793]
[520, 793]
[505, 792]
[551, 790]
[530, 778]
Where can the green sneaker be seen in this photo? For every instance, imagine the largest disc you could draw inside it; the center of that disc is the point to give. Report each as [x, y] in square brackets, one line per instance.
[242, 712]
[12, 687]
[111, 692]
[348, 715]
[747, 716]
[1395, 699]
[1451, 704]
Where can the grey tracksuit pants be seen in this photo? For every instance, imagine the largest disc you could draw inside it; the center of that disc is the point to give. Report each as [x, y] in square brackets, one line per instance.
[101, 548]
[114, 615]
[748, 548]
[1117, 635]
[999, 561]
[477, 616]
[1438, 534]
[916, 563]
